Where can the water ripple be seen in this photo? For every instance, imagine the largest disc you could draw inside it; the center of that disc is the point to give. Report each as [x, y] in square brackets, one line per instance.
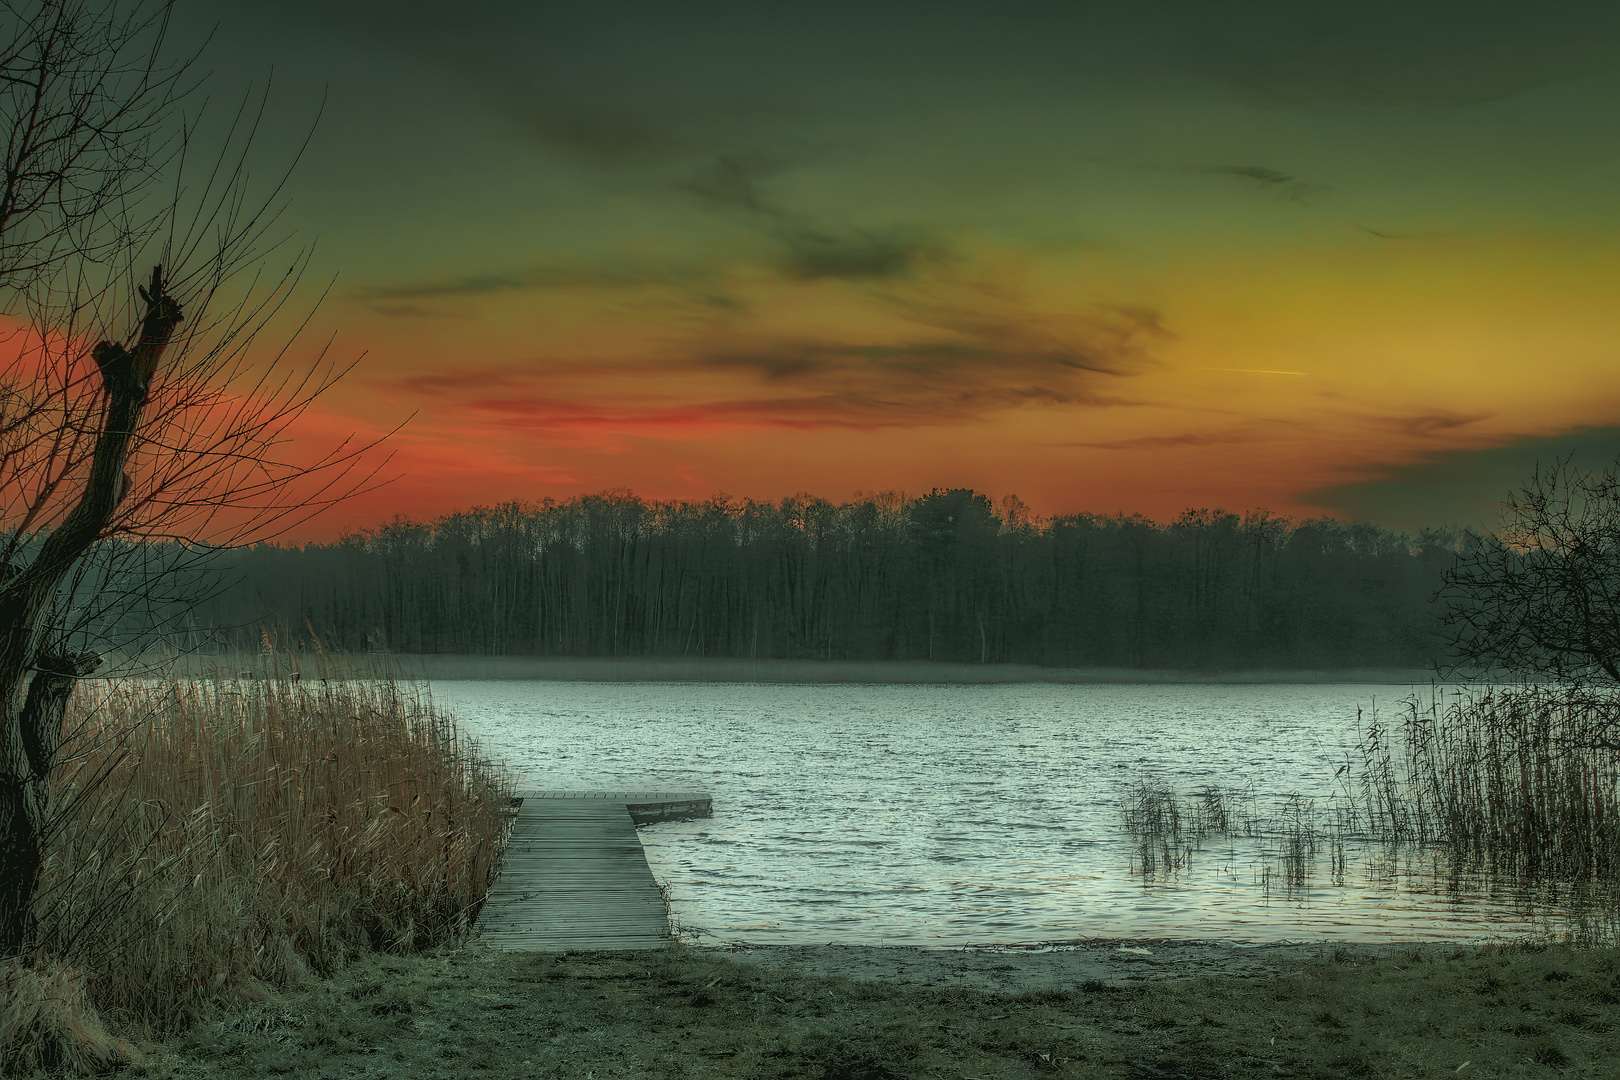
[951, 815]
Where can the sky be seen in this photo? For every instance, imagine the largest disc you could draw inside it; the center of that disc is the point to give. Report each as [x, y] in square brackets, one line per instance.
[1355, 259]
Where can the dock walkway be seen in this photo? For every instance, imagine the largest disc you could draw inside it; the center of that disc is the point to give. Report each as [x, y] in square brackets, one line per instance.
[574, 875]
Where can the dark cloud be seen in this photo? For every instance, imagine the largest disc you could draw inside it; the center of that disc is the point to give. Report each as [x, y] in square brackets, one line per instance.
[1276, 181]
[697, 286]
[850, 410]
[1461, 487]
[601, 137]
[1108, 339]
[808, 250]
[1258, 177]
[1155, 442]
[972, 363]
[804, 251]
[524, 280]
[1431, 424]
[812, 254]
[1384, 235]
[991, 368]
[614, 85]
[733, 182]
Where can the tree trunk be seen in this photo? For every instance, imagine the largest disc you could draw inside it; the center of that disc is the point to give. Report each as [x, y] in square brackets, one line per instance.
[25, 800]
[36, 680]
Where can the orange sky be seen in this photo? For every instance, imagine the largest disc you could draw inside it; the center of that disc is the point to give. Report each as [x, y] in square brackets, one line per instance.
[1111, 262]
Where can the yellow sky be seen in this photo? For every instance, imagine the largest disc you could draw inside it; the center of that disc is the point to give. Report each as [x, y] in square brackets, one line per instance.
[1128, 261]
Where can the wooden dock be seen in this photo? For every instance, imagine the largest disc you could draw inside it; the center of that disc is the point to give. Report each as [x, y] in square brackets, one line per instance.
[574, 875]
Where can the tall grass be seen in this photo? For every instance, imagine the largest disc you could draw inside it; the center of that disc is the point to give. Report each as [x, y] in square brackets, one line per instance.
[1522, 781]
[217, 837]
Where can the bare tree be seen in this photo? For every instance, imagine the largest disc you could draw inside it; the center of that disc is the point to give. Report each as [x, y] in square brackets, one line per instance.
[88, 102]
[137, 432]
[1541, 595]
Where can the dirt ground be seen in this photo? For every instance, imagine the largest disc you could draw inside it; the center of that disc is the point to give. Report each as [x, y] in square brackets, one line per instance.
[1162, 1012]
[1011, 969]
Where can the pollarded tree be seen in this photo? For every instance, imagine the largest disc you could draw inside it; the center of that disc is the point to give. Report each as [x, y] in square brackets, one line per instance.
[130, 409]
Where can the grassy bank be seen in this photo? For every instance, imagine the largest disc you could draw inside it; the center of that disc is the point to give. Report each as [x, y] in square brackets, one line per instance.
[219, 839]
[678, 1012]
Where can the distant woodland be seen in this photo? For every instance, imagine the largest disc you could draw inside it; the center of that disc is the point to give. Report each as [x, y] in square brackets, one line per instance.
[948, 577]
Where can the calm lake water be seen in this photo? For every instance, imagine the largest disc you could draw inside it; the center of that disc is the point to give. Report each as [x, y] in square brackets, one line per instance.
[959, 814]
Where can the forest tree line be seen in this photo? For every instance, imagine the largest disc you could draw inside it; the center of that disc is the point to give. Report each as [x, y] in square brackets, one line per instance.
[947, 577]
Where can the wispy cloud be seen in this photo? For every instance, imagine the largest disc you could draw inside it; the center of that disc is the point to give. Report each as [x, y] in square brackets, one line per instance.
[604, 137]
[962, 363]
[1155, 442]
[1386, 235]
[808, 250]
[1273, 181]
[851, 410]
[1250, 432]
[1251, 371]
[1429, 425]
[1259, 178]
[424, 299]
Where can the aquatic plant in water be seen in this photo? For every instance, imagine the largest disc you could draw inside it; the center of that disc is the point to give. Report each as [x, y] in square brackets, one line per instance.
[1514, 791]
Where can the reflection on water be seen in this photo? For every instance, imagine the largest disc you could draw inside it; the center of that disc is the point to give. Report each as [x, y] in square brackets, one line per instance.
[950, 815]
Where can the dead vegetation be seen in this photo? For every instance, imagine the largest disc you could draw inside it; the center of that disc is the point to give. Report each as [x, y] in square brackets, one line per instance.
[220, 838]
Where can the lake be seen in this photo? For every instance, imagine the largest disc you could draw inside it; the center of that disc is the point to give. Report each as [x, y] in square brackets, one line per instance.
[951, 815]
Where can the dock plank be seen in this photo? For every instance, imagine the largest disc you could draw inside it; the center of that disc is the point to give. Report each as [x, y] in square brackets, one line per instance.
[574, 875]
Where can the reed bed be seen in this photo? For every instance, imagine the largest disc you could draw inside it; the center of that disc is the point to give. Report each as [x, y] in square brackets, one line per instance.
[217, 838]
[1522, 782]
[1514, 790]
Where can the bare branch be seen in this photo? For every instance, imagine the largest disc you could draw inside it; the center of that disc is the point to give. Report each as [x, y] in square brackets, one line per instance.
[138, 426]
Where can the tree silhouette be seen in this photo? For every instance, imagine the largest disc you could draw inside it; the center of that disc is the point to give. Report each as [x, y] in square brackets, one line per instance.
[943, 577]
[1540, 596]
[130, 408]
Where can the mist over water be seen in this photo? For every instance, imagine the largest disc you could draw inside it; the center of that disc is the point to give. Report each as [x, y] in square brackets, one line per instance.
[950, 815]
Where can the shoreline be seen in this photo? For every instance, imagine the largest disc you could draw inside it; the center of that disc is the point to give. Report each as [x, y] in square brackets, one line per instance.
[556, 669]
[1110, 962]
[890, 1012]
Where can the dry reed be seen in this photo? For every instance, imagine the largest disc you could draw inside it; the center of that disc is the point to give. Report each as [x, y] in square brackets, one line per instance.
[219, 837]
[1521, 781]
